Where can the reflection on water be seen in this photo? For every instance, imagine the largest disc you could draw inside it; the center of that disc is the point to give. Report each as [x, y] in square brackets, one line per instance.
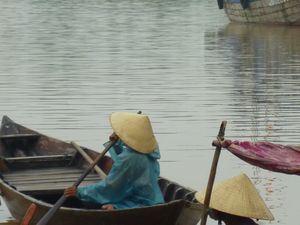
[261, 40]
[65, 66]
[263, 65]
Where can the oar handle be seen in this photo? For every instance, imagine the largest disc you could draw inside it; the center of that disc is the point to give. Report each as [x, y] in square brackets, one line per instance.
[45, 219]
[88, 159]
[91, 166]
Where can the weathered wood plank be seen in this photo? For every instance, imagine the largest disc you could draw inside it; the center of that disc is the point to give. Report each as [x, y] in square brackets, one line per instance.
[5, 136]
[48, 177]
[33, 159]
[43, 171]
[53, 180]
[21, 163]
[42, 174]
[50, 187]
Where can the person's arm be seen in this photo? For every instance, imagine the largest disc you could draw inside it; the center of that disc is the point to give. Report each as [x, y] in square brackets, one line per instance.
[114, 187]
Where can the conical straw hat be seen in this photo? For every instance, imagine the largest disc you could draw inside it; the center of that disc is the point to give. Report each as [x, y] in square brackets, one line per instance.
[134, 130]
[237, 196]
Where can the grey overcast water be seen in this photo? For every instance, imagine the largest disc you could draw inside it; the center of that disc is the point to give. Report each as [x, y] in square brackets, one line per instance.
[66, 65]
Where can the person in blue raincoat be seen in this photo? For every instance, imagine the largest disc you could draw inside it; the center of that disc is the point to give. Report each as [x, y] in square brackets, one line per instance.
[133, 179]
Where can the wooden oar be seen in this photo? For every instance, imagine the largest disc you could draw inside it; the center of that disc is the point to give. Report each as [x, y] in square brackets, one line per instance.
[88, 159]
[212, 174]
[45, 219]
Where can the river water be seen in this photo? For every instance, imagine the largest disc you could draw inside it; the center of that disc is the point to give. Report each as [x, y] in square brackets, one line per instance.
[66, 65]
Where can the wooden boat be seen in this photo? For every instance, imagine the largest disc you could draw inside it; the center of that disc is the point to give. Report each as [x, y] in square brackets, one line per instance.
[262, 11]
[36, 169]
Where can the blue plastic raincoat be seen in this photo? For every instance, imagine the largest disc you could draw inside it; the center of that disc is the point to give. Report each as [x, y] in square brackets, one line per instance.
[132, 181]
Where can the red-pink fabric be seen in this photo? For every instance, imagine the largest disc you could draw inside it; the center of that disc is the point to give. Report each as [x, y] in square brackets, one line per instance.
[270, 156]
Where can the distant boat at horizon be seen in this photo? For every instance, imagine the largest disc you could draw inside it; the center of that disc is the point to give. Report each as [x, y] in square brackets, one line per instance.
[262, 11]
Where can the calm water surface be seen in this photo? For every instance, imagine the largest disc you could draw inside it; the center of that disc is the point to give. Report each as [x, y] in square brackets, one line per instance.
[66, 65]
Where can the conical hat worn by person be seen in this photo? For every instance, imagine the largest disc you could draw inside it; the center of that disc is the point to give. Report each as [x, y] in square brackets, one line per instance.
[237, 196]
[134, 130]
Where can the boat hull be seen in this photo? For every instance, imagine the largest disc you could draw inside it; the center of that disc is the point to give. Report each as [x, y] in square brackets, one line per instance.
[264, 11]
[165, 214]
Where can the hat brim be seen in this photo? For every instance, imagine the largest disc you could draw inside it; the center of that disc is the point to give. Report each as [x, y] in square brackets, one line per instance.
[134, 130]
[237, 196]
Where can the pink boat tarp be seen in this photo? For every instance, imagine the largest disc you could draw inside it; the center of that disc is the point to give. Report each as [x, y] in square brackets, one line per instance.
[270, 156]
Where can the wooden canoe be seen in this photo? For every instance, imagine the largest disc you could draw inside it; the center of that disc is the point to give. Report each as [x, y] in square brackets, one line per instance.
[36, 169]
[263, 11]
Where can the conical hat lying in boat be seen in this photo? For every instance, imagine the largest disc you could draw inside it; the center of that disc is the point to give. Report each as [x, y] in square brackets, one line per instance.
[237, 196]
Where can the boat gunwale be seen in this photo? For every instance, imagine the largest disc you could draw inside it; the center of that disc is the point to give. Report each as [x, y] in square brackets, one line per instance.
[45, 204]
